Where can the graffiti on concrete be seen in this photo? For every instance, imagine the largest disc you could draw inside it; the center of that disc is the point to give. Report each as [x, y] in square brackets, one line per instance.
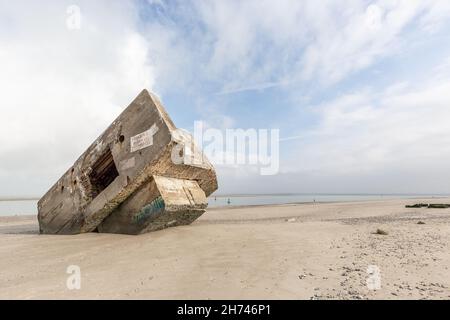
[152, 209]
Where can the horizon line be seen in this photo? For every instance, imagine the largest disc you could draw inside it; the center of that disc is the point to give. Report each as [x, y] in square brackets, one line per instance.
[31, 198]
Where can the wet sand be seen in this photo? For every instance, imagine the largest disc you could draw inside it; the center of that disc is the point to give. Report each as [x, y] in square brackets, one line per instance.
[305, 251]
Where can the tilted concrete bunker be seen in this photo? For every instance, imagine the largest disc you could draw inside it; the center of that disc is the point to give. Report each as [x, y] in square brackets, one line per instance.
[142, 174]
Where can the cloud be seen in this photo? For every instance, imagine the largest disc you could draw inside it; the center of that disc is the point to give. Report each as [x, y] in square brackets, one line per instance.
[396, 140]
[62, 87]
[256, 45]
[434, 19]
[403, 128]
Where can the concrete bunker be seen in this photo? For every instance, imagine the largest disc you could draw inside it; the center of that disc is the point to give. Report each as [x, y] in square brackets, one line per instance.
[127, 182]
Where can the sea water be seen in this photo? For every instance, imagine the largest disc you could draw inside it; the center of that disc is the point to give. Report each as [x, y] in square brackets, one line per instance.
[18, 207]
[224, 201]
[29, 207]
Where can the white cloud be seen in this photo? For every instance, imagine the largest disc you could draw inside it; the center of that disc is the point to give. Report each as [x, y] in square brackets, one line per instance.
[255, 43]
[401, 128]
[433, 19]
[60, 88]
[356, 41]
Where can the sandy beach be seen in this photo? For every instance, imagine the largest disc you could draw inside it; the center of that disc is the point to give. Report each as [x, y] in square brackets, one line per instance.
[302, 251]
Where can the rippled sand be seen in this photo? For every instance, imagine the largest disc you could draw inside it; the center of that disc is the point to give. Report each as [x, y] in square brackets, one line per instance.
[309, 251]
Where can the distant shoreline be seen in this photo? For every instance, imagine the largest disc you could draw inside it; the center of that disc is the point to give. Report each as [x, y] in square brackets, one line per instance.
[19, 199]
[280, 204]
[242, 195]
[330, 194]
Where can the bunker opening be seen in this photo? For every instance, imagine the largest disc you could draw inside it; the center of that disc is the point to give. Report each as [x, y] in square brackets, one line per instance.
[103, 173]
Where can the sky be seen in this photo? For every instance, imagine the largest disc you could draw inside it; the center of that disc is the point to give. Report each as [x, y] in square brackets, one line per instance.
[359, 90]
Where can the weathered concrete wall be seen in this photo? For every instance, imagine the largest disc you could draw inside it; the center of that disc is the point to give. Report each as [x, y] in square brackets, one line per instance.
[162, 202]
[120, 163]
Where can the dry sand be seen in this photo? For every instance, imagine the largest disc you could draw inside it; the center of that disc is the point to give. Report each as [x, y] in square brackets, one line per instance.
[309, 251]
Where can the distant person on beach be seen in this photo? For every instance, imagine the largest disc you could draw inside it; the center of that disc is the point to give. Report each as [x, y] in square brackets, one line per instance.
[228, 201]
